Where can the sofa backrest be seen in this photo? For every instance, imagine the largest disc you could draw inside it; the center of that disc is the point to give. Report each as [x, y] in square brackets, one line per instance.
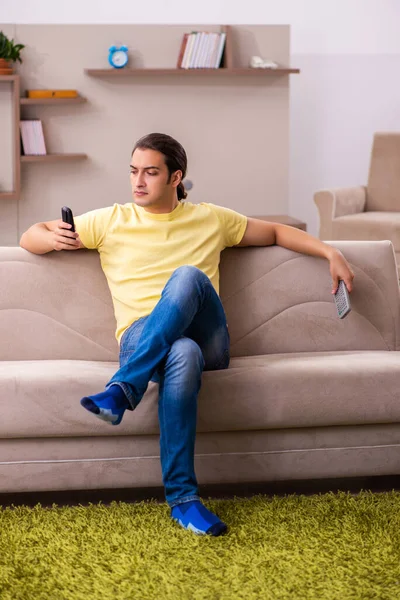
[55, 306]
[383, 189]
[58, 305]
[279, 301]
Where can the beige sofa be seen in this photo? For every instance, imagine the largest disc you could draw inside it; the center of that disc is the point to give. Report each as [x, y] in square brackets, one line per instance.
[307, 395]
[370, 212]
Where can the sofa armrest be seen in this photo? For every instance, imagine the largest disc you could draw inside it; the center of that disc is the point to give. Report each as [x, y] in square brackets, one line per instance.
[338, 203]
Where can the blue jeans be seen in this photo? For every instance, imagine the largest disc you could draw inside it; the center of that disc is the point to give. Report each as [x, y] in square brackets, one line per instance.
[185, 334]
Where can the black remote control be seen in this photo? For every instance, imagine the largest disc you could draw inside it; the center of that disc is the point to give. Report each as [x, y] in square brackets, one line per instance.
[342, 300]
[68, 217]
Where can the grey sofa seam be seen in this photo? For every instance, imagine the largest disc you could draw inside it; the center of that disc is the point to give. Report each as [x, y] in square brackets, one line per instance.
[211, 455]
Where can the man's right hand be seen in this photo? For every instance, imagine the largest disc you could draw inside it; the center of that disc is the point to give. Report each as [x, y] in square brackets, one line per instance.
[64, 239]
[50, 235]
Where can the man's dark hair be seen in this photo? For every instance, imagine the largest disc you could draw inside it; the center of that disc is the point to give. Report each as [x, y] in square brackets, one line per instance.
[174, 155]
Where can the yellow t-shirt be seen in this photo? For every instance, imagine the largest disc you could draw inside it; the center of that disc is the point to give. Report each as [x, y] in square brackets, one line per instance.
[140, 250]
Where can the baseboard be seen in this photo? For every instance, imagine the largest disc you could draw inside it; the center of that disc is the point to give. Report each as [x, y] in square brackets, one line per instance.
[354, 485]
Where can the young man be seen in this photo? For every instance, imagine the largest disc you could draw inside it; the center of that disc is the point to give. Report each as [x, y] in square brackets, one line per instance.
[160, 257]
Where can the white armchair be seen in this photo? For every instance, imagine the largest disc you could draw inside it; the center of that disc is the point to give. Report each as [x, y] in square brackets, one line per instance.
[369, 212]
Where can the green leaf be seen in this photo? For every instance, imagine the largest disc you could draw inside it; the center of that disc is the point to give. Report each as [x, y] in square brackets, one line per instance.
[8, 49]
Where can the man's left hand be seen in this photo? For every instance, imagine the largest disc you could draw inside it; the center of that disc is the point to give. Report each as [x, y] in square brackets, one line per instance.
[340, 269]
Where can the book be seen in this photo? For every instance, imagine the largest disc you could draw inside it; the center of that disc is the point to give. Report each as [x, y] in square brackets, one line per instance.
[32, 137]
[212, 42]
[25, 138]
[220, 50]
[51, 94]
[191, 43]
[182, 50]
[39, 137]
[202, 43]
[212, 54]
[193, 58]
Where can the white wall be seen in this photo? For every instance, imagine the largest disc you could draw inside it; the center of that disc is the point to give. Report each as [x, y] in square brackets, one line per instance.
[349, 87]
[318, 26]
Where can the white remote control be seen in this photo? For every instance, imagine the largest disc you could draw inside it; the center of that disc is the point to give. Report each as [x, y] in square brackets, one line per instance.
[342, 300]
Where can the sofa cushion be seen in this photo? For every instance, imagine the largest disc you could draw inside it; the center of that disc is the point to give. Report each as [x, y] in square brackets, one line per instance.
[369, 226]
[41, 398]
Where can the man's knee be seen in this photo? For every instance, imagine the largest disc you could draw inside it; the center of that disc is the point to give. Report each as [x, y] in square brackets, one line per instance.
[189, 273]
[187, 353]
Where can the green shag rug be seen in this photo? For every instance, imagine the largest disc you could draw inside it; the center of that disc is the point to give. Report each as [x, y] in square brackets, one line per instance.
[327, 546]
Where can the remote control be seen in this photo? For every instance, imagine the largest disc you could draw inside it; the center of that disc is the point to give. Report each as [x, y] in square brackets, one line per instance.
[342, 300]
[67, 217]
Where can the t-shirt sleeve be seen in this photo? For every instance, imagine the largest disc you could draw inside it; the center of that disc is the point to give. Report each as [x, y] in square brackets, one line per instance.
[233, 224]
[92, 226]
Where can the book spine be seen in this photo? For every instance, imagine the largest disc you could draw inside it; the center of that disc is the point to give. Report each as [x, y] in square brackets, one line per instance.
[188, 57]
[220, 50]
[24, 138]
[205, 51]
[214, 50]
[31, 141]
[210, 45]
[203, 37]
[41, 146]
[33, 125]
[203, 57]
[182, 50]
[193, 60]
[43, 140]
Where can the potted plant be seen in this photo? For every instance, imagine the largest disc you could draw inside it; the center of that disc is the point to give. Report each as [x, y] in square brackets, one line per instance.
[9, 52]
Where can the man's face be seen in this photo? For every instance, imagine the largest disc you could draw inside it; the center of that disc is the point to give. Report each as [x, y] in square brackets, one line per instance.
[149, 180]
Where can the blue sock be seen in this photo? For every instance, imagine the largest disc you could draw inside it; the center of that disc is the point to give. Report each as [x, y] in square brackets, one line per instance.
[109, 405]
[196, 517]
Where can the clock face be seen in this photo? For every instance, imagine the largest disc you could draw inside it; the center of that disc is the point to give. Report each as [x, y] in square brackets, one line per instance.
[119, 58]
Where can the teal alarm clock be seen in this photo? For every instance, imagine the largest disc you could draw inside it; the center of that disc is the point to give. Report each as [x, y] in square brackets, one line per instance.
[118, 57]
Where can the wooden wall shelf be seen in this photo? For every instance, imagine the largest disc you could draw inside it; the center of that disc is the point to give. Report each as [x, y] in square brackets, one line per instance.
[222, 72]
[29, 158]
[227, 68]
[9, 196]
[18, 105]
[57, 101]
